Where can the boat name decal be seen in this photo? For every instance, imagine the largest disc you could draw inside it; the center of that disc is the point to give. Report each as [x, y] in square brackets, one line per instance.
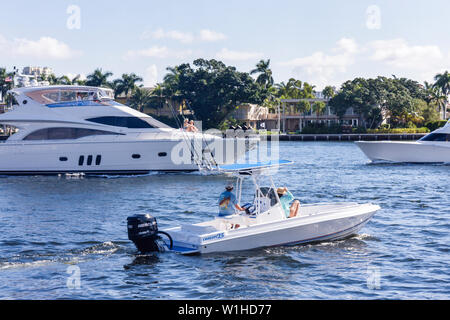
[214, 237]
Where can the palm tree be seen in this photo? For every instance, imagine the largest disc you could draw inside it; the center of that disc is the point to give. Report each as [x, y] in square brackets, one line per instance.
[140, 99]
[158, 94]
[52, 79]
[328, 92]
[442, 81]
[264, 78]
[438, 98]
[126, 84]
[98, 78]
[78, 81]
[318, 107]
[64, 80]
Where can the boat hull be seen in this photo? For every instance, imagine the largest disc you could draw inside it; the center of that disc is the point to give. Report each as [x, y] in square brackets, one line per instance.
[300, 230]
[407, 152]
[97, 158]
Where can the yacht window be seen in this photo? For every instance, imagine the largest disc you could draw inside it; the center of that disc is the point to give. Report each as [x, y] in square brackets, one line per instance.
[126, 122]
[52, 96]
[72, 97]
[65, 133]
[436, 137]
[67, 96]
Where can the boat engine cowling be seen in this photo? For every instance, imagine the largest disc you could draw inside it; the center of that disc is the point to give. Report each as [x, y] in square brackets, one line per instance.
[143, 231]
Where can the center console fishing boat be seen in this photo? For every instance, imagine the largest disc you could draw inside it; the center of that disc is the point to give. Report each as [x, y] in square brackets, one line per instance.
[263, 224]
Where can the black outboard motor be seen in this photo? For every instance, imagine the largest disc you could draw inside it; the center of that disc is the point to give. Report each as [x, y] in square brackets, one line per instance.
[143, 231]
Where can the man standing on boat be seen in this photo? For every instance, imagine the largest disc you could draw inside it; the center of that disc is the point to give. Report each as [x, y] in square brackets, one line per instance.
[228, 202]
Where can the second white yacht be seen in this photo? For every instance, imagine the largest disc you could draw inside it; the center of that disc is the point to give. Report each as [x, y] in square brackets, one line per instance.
[432, 148]
[78, 129]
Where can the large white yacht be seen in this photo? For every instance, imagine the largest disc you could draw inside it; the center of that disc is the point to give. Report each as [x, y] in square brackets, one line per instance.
[79, 129]
[432, 148]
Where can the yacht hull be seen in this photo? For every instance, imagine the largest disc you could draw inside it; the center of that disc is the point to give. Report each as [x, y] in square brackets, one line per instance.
[407, 152]
[97, 158]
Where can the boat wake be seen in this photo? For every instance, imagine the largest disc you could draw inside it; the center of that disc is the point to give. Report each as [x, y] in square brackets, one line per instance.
[97, 251]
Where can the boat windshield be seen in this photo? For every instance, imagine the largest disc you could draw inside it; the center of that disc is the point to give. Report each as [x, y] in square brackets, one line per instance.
[73, 97]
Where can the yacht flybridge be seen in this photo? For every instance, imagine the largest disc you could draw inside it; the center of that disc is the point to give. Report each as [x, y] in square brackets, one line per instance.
[432, 148]
[79, 129]
[263, 224]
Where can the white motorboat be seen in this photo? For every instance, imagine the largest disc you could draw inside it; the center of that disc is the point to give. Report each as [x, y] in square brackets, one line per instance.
[79, 129]
[432, 148]
[264, 224]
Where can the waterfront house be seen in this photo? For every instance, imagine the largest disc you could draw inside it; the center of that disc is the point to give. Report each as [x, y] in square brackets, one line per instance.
[288, 119]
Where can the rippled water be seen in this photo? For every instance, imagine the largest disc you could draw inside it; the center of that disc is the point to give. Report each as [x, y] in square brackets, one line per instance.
[51, 228]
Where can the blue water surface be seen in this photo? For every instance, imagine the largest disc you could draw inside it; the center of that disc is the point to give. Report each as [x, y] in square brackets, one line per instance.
[56, 230]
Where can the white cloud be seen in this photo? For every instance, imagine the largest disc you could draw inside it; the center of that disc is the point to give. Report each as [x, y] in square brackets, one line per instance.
[44, 48]
[204, 35]
[184, 37]
[158, 52]
[320, 68]
[393, 56]
[398, 53]
[421, 62]
[211, 36]
[226, 54]
[151, 76]
[347, 45]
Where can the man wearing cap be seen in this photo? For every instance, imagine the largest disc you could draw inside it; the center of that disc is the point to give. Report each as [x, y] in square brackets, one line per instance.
[228, 202]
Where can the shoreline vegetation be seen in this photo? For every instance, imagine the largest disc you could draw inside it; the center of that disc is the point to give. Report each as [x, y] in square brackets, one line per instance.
[211, 91]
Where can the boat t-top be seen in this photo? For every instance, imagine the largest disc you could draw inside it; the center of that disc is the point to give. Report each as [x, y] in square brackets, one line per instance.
[81, 129]
[263, 224]
[432, 148]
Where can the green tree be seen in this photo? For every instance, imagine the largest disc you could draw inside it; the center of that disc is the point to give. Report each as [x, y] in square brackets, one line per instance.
[426, 110]
[77, 80]
[372, 98]
[212, 89]
[443, 83]
[295, 89]
[52, 79]
[303, 106]
[264, 78]
[319, 107]
[140, 99]
[127, 84]
[64, 80]
[328, 92]
[98, 78]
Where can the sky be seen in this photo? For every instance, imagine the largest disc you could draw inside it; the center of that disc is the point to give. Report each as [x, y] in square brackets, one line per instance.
[320, 42]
